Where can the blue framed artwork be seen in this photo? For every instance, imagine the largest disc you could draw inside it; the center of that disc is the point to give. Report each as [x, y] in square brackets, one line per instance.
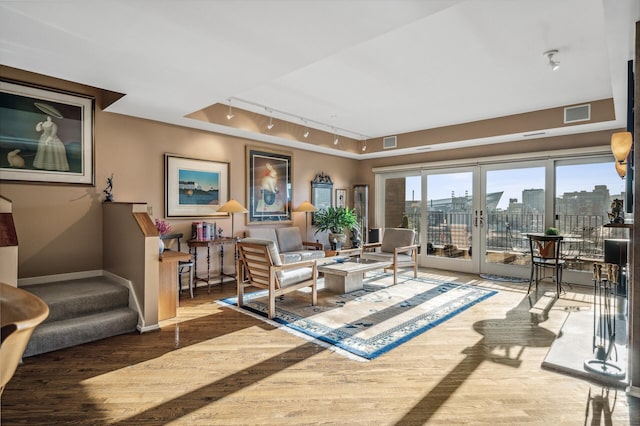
[194, 187]
[46, 136]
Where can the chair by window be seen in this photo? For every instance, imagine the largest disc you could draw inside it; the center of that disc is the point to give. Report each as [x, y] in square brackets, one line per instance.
[546, 254]
[397, 246]
[259, 265]
[184, 267]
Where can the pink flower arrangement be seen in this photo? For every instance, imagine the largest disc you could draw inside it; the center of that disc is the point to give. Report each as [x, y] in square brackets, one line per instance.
[163, 226]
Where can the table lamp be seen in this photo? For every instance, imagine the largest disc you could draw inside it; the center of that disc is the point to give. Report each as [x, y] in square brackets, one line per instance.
[232, 206]
[306, 207]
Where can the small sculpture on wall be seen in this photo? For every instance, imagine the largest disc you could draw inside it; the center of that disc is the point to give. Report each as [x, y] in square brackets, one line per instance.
[108, 196]
[617, 211]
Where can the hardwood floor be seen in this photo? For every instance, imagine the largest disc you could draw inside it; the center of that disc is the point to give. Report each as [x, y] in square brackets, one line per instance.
[213, 365]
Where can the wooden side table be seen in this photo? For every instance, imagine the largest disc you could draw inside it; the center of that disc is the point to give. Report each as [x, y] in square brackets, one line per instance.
[193, 248]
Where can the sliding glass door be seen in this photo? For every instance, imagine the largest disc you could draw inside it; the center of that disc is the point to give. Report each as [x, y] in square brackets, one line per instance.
[513, 204]
[451, 217]
[475, 218]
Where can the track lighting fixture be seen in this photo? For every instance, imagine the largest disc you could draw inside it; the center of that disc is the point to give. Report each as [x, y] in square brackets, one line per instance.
[364, 145]
[304, 122]
[553, 64]
[230, 113]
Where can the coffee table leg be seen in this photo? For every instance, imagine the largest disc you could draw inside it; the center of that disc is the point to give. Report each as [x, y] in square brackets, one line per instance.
[343, 284]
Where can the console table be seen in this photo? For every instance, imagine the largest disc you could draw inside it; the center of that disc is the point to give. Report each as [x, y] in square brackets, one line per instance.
[193, 248]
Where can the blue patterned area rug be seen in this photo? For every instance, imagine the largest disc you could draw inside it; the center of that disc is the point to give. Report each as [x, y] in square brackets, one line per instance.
[370, 322]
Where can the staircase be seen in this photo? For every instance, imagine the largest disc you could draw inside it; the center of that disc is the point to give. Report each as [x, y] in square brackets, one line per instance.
[80, 311]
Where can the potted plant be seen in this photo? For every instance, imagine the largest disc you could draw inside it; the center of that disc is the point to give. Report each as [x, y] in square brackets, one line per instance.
[335, 220]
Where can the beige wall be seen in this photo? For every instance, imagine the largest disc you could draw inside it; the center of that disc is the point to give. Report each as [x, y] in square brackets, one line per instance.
[60, 227]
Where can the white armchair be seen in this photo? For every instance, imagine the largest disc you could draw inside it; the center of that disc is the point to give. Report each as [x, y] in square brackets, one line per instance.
[259, 265]
[397, 246]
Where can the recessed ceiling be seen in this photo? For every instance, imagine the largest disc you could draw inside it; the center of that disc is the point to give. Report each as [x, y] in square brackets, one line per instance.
[368, 68]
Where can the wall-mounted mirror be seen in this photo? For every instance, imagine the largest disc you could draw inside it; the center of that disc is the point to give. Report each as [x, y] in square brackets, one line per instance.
[321, 192]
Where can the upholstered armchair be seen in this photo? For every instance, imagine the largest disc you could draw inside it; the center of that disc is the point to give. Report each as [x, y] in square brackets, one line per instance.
[397, 246]
[22, 312]
[259, 265]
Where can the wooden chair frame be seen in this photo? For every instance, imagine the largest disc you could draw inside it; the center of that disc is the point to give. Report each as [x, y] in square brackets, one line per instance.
[257, 269]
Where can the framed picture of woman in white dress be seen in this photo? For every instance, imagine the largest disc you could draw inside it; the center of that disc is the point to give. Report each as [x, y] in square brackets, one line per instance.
[46, 136]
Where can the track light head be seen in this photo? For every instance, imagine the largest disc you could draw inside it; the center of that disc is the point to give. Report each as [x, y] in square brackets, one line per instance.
[336, 140]
[270, 125]
[364, 145]
[306, 132]
[552, 63]
[230, 113]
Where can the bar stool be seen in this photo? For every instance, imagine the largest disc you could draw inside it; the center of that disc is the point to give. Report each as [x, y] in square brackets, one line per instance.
[186, 266]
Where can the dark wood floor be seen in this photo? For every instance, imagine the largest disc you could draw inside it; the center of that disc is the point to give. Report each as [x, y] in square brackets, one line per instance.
[213, 365]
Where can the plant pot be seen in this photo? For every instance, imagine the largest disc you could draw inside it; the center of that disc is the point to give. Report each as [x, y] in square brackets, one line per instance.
[337, 241]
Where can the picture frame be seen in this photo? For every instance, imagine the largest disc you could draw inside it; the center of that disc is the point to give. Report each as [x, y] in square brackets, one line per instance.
[46, 135]
[341, 198]
[269, 184]
[195, 187]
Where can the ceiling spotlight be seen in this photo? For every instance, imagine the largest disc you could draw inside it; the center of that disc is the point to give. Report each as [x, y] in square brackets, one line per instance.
[306, 132]
[230, 114]
[553, 64]
[364, 145]
[270, 125]
[336, 140]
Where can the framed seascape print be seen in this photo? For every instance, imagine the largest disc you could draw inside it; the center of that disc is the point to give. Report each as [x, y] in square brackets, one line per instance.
[194, 187]
[46, 136]
[269, 183]
[341, 198]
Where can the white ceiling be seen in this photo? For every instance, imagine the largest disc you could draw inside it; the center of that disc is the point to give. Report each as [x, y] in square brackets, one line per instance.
[371, 68]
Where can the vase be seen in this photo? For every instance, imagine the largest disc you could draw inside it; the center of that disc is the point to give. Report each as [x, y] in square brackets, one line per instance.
[161, 244]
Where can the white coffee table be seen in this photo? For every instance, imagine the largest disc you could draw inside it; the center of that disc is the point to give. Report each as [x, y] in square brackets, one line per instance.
[347, 276]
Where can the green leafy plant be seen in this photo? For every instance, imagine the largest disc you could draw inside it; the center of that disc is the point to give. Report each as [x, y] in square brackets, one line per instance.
[335, 220]
[552, 231]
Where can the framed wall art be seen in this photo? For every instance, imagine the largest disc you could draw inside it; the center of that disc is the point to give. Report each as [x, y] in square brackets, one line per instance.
[46, 136]
[269, 183]
[341, 198]
[195, 187]
[321, 193]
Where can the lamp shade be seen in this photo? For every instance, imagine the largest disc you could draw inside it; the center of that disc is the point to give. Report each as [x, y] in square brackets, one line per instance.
[621, 169]
[621, 145]
[232, 206]
[305, 207]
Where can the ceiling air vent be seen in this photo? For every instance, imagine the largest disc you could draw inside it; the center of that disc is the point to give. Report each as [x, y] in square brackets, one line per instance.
[390, 142]
[577, 113]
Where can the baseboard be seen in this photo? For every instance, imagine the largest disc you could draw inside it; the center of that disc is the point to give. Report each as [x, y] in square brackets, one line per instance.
[23, 282]
[147, 329]
[633, 391]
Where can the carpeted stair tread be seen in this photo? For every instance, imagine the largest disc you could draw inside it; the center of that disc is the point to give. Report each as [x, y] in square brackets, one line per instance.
[69, 299]
[56, 335]
[81, 311]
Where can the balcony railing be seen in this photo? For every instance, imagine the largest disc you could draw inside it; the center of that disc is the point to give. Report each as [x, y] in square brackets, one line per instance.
[506, 232]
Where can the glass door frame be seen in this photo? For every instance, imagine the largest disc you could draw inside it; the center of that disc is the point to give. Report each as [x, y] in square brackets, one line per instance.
[548, 218]
[549, 159]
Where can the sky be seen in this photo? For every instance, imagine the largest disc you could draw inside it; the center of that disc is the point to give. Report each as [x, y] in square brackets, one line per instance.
[572, 178]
